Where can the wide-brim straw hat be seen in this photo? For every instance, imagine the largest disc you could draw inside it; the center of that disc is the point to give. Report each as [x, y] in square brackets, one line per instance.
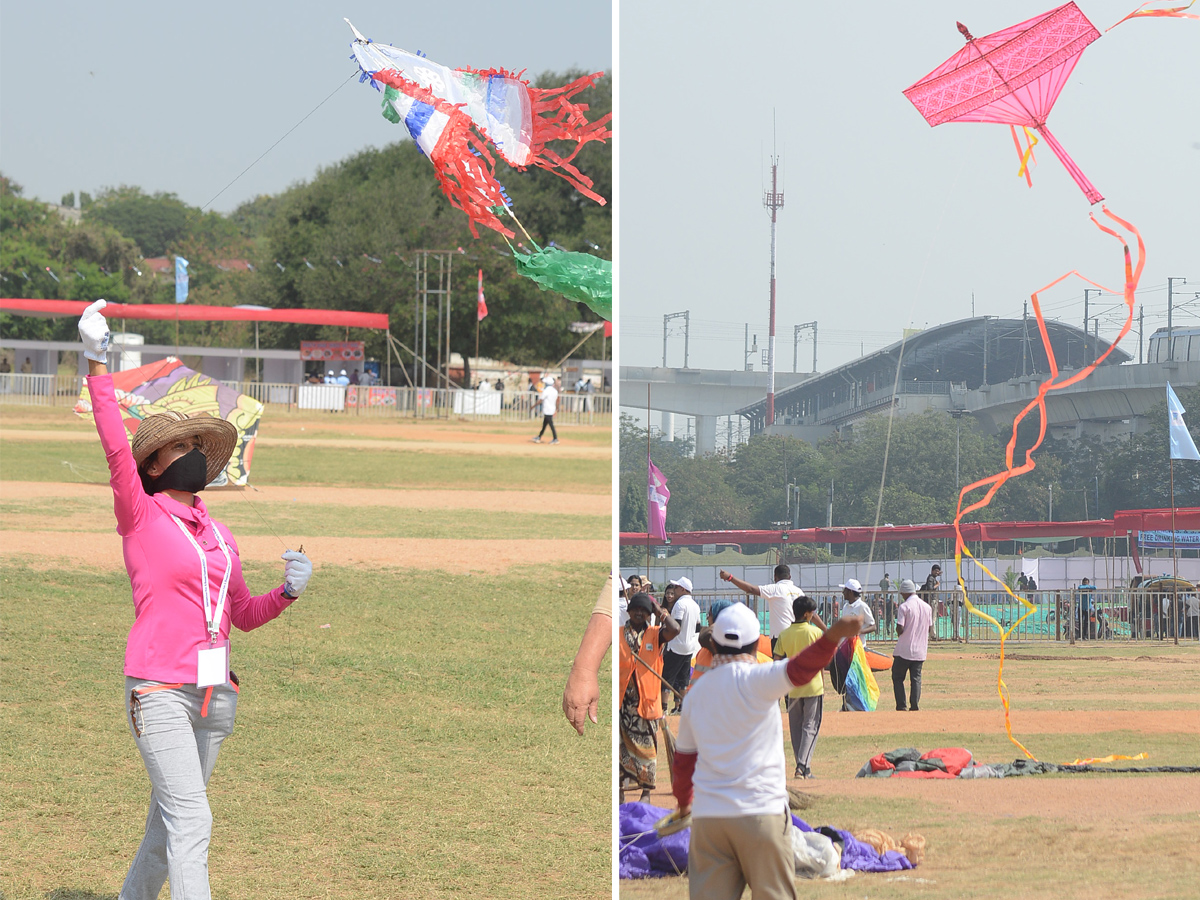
[218, 438]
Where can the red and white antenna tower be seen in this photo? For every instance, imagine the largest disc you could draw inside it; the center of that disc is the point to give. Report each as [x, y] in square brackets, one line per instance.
[773, 201]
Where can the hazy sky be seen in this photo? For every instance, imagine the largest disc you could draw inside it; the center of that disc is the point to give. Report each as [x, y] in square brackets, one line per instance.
[887, 223]
[182, 97]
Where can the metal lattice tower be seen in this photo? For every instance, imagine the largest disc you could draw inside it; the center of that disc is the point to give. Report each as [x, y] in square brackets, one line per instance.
[773, 201]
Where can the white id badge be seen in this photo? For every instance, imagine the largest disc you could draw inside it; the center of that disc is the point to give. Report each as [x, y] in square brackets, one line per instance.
[212, 667]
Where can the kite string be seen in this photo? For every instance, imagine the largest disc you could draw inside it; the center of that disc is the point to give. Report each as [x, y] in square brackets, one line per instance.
[276, 144]
[904, 343]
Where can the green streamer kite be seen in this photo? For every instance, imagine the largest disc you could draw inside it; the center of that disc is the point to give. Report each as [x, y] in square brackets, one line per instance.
[577, 276]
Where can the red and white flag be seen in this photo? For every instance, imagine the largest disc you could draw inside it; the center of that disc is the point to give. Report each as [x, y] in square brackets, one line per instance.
[657, 497]
[481, 307]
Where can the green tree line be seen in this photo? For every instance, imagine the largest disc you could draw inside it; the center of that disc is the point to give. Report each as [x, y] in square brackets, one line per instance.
[748, 489]
[346, 239]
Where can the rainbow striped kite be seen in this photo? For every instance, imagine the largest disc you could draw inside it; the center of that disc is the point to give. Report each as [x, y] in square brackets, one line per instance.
[853, 678]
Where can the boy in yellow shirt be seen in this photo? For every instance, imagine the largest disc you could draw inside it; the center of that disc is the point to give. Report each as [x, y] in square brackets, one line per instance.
[804, 702]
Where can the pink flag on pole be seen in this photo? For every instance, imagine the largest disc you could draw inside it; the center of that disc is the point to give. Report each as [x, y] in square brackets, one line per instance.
[658, 496]
[481, 305]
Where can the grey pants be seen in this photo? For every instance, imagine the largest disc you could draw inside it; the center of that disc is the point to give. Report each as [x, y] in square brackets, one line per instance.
[804, 722]
[912, 668]
[178, 739]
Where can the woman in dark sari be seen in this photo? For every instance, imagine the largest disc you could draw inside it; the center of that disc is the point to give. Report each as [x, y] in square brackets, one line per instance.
[641, 662]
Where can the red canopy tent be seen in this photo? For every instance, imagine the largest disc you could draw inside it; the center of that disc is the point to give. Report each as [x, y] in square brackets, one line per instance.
[186, 312]
[1122, 523]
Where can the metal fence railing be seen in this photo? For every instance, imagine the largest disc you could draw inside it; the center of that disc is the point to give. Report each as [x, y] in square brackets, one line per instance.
[360, 400]
[1070, 616]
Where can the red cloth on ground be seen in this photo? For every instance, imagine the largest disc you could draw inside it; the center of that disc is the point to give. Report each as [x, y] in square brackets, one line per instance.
[879, 763]
[955, 759]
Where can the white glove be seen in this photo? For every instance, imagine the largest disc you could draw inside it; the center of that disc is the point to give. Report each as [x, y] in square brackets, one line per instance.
[93, 331]
[296, 572]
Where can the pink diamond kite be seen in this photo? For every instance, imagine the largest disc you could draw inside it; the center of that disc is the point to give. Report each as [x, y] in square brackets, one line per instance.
[1012, 77]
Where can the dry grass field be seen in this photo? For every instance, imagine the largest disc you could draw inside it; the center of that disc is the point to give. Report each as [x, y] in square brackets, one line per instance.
[399, 730]
[1057, 837]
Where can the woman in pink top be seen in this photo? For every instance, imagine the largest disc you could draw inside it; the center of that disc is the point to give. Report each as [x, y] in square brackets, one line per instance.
[188, 591]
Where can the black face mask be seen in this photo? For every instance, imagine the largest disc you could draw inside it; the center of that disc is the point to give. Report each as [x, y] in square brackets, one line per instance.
[188, 473]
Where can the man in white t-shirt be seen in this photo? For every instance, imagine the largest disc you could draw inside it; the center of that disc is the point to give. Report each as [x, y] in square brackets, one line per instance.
[853, 604]
[677, 658]
[779, 597]
[914, 624]
[729, 755]
[549, 400]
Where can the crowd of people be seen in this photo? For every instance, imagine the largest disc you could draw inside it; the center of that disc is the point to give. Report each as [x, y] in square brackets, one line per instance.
[728, 770]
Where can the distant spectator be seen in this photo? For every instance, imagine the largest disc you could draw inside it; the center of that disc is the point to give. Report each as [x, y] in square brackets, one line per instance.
[499, 385]
[343, 379]
[549, 398]
[354, 377]
[889, 603]
[5, 368]
[27, 367]
[929, 590]
[330, 378]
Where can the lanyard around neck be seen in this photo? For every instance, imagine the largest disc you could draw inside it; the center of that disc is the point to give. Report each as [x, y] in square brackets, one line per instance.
[212, 618]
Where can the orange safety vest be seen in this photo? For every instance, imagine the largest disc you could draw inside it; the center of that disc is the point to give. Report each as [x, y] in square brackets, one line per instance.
[704, 659]
[649, 687]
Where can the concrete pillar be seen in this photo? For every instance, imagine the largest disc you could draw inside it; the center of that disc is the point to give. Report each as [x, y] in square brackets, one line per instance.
[706, 435]
[668, 426]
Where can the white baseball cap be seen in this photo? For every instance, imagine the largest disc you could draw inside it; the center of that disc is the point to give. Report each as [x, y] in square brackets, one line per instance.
[685, 583]
[907, 586]
[736, 626]
[853, 585]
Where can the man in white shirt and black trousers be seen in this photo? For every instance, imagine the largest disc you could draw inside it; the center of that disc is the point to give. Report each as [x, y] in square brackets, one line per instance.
[779, 597]
[677, 658]
[729, 754]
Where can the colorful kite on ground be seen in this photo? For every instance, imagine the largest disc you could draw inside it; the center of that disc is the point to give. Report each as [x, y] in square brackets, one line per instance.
[169, 384]
[457, 117]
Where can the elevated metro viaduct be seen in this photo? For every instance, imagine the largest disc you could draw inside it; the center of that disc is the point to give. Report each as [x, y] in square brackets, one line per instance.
[984, 367]
[707, 394]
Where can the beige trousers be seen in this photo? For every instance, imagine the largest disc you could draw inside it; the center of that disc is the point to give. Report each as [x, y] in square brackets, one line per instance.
[726, 854]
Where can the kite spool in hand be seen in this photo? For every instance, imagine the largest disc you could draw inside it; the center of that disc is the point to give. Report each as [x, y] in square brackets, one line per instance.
[672, 823]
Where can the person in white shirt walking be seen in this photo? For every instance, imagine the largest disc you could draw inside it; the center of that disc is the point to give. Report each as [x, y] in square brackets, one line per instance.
[779, 597]
[914, 624]
[730, 747]
[677, 659]
[549, 401]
